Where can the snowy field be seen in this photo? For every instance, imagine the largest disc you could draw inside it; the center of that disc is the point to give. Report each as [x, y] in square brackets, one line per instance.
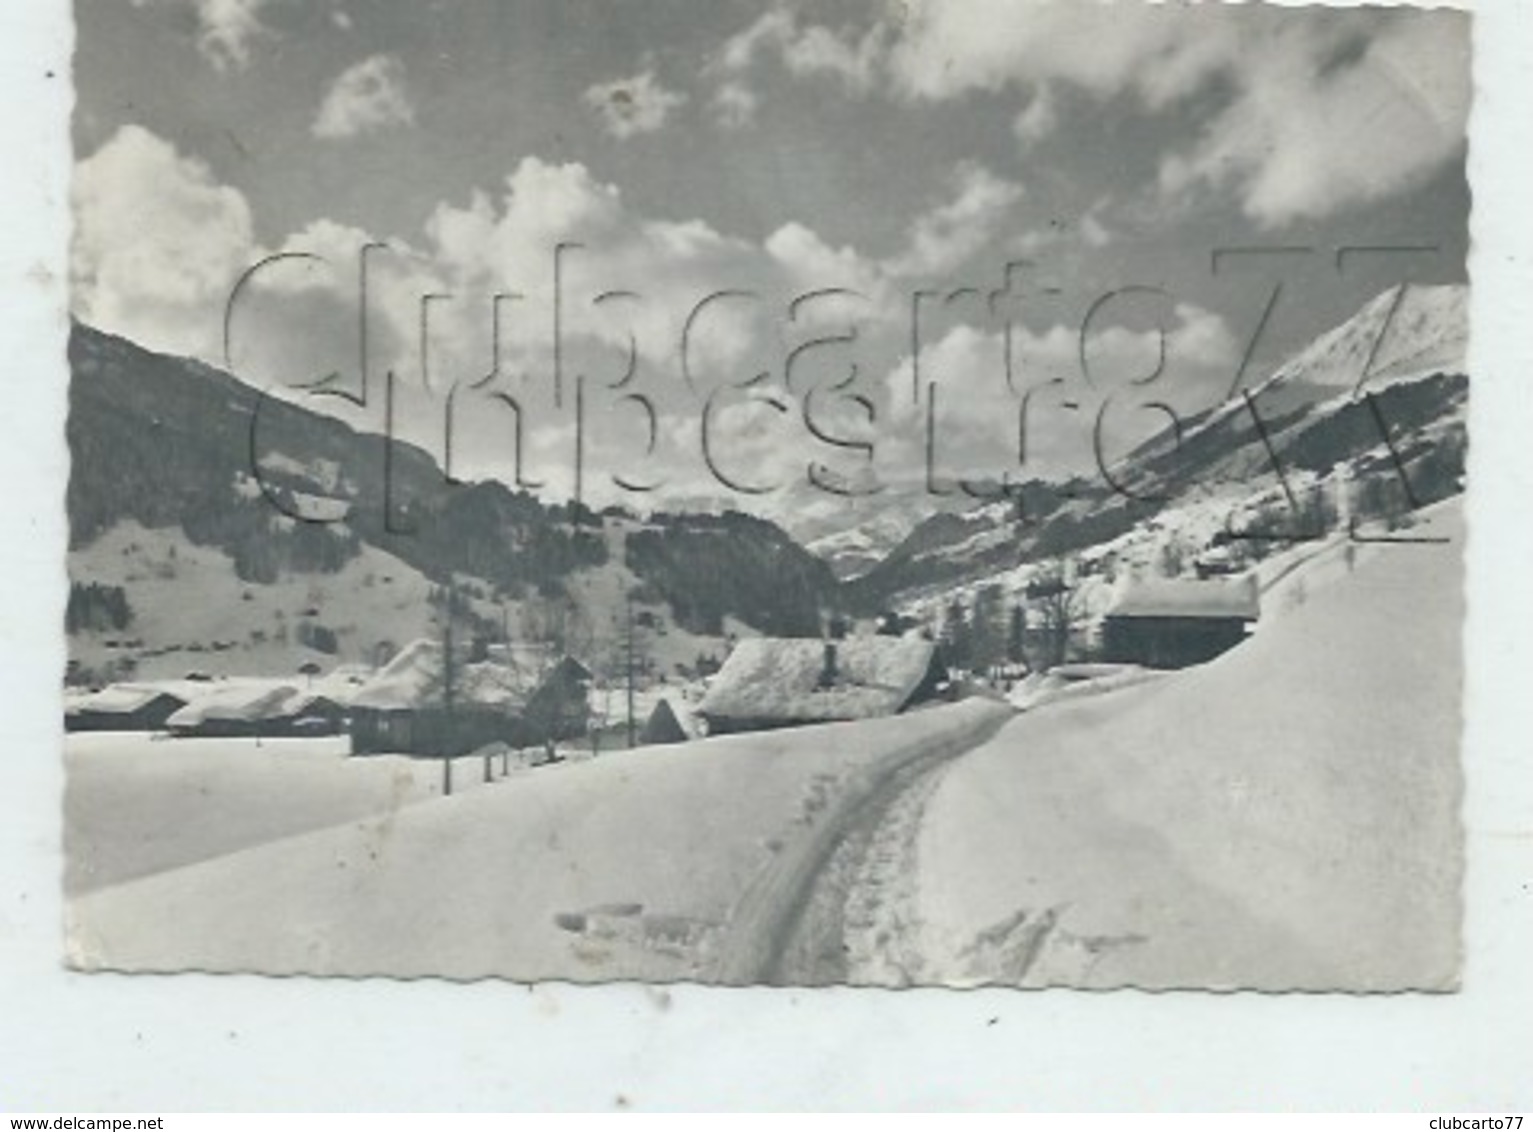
[632, 865]
[137, 804]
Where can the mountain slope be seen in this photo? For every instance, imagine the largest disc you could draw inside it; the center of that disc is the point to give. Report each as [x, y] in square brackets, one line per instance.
[185, 477]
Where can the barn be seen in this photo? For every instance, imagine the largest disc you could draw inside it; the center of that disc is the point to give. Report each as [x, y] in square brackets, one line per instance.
[123, 707]
[318, 715]
[1176, 622]
[519, 698]
[771, 682]
[245, 710]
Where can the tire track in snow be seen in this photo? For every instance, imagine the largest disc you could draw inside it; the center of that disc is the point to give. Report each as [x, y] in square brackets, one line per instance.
[880, 914]
[790, 926]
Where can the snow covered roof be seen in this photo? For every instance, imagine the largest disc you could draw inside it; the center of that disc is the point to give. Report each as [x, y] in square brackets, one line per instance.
[243, 704]
[1187, 597]
[121, 699]
[413, 679]
[779, 678]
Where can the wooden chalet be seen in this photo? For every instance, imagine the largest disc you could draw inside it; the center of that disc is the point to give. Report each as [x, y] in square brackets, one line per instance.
[520, 698]
[123, 707]
[244, 711]
[1176, 622]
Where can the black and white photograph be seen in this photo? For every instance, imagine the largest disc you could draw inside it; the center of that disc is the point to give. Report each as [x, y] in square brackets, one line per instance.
[886, 493]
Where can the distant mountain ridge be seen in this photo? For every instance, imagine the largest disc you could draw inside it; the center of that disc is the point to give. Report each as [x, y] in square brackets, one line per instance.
[164, 444]
[1312, 415]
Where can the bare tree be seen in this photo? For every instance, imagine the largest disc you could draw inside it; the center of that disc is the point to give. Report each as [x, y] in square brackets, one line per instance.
[1172, 559]
[1056, 605]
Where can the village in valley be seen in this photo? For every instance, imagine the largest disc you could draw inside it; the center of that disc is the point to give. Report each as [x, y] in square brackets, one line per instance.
[449, 697]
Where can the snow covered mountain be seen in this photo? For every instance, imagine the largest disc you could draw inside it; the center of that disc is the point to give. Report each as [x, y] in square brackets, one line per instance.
[1401, 335]
[855, 550]
[1267, 457]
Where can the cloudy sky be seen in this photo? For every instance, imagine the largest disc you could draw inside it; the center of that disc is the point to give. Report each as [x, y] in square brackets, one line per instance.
[742, 180]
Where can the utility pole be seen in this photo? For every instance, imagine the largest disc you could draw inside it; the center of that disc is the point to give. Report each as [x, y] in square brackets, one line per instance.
[447, 686]
[628, 649]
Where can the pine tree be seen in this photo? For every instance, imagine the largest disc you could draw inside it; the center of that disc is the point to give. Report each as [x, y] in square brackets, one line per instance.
[1016, 635]
[955, 635]
[987, 629]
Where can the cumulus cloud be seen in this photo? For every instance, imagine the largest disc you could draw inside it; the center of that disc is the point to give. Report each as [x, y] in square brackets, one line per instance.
[637, 105]
[226, 29]
[803, 50]
[772, 27]
[330, 264]
[1039, 118]
[1196, 341]
[979, 409]
[504, 242]
[158, 242]
[507, 243]
[944, 237]
[734, 105]
[937, 243]
[366, 97]
[947, 49]
[817, 50]
[1307, 111]
[1306, 140]
[1326, 109]
[1094, 233]
[810, 262]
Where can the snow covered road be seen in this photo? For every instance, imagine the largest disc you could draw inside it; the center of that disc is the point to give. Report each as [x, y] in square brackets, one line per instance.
[794, 924]
[1285, 817]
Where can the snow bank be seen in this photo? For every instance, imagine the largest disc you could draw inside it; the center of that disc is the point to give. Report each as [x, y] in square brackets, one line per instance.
[622, 867]
[1286, 816]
